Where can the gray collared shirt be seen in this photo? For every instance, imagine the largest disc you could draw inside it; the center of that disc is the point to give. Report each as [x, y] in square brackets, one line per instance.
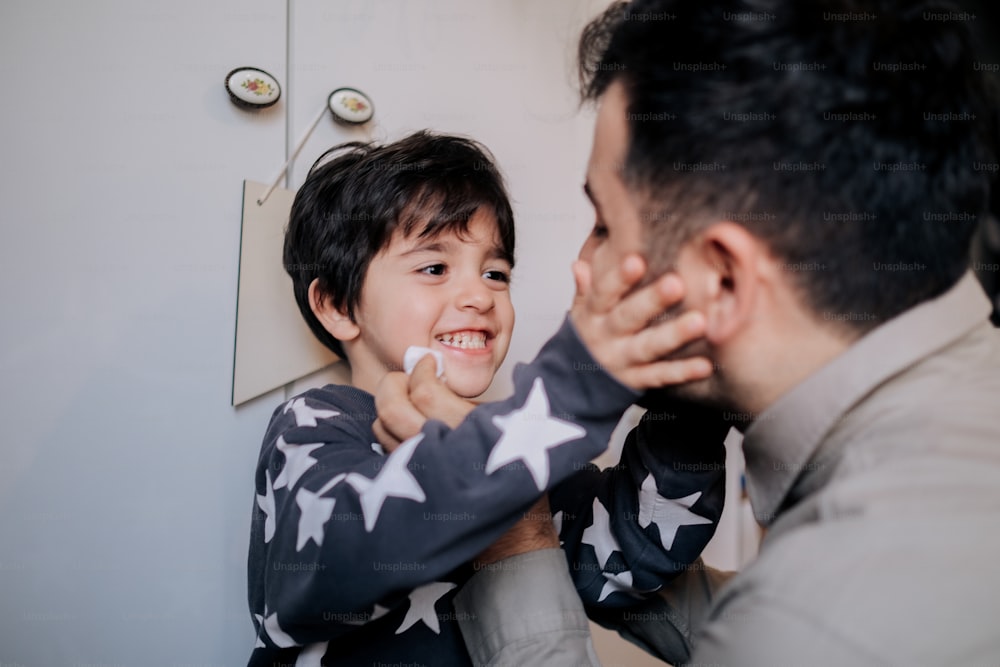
[878, 478]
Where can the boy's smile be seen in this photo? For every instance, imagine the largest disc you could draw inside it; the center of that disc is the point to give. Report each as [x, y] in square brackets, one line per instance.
[449, 292]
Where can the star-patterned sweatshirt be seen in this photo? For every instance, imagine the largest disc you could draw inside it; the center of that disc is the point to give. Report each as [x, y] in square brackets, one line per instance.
[355, 555]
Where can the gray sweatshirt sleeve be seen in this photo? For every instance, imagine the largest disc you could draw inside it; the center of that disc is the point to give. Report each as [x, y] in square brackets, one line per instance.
[525, 611]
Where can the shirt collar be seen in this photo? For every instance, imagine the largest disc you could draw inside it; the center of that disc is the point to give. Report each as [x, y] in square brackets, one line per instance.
[780, 443]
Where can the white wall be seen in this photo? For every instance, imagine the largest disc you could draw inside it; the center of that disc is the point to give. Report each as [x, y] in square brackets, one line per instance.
[125, 476]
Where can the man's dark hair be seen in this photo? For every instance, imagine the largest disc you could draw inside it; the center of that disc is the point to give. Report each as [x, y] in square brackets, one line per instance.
[849, 135]
[349, 207]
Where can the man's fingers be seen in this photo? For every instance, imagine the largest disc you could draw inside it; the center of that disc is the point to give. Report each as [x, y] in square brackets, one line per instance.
[613, 285]
[638, 309]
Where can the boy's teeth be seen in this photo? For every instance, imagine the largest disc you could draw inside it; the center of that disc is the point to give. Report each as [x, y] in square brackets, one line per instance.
[466, 340]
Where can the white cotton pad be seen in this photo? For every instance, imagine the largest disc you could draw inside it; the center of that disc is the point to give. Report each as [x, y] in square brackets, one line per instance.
[415, 353]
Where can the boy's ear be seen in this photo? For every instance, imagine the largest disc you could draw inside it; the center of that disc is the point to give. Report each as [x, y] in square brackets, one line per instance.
[335, 321]
[721, 272]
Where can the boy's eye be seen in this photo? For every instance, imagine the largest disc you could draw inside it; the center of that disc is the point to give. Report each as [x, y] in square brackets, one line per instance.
[599, 231]
[433, 270]
[500, 276]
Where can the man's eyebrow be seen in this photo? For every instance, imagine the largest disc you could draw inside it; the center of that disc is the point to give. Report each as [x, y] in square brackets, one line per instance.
[593, 200]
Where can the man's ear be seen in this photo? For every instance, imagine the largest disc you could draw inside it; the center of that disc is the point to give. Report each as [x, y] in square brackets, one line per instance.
[721, 272]
[335, 321]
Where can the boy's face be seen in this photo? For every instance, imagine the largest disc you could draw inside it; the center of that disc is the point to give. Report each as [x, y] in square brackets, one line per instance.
[450, 293]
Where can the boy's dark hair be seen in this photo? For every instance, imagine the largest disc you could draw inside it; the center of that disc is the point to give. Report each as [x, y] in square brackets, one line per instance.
[849, 135]
[349, 207]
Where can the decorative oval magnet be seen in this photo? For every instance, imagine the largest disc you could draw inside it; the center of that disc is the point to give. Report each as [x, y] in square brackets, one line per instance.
[351, 106]
[252, 88]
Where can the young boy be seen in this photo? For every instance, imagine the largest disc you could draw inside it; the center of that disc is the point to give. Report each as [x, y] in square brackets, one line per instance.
[355, 555]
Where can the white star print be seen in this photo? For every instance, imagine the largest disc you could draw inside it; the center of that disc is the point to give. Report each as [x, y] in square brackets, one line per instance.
[304, 415]
[529, 433]
[668, 514]
[378, 611]
[260, 642]
[266, 505]
[314, 512]
[422, 601]
[394, 479]
[297, 461]
[277, 635]
[599, 536]
[312, 655]
[621, 582]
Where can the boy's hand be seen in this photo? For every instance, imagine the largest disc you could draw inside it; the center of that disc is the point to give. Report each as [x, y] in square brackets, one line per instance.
[404, 403]
[620, 332]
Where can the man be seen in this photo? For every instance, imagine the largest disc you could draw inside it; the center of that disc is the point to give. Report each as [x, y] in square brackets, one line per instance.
[812, 172]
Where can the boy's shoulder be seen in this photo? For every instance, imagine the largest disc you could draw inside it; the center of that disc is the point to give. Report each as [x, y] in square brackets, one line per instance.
[321, 413]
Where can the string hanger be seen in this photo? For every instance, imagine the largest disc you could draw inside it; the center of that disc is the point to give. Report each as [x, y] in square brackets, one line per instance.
[349, 106]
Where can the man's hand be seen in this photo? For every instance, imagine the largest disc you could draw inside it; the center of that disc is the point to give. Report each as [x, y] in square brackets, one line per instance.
[404, 403]
[619, 332]
[534, 531]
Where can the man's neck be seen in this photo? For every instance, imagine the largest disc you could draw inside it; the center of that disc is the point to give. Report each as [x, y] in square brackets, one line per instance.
[774, 368]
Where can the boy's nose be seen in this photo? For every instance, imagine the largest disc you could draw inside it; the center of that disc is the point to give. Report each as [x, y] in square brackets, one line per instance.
[475, 295]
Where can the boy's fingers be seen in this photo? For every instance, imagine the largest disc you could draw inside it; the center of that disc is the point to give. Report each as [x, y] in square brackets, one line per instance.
[664, 373]
[442, 404]
[387, 440]
[425, 371]
[581, 278]
[609, 288]
[435, 399]
[638, 309]
[665, 338]
[396, 412]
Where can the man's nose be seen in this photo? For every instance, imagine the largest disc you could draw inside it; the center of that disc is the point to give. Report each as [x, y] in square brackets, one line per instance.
[587, 249]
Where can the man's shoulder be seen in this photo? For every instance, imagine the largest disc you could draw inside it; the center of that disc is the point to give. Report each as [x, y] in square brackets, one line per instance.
[967, 367]
[880, 587]
[940, 410]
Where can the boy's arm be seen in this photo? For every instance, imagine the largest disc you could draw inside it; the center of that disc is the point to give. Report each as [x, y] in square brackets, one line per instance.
[630, 528]
[343, 529]
[444, 495]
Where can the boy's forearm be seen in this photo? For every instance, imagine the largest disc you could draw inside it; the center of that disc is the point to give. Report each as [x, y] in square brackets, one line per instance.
[633, 527]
